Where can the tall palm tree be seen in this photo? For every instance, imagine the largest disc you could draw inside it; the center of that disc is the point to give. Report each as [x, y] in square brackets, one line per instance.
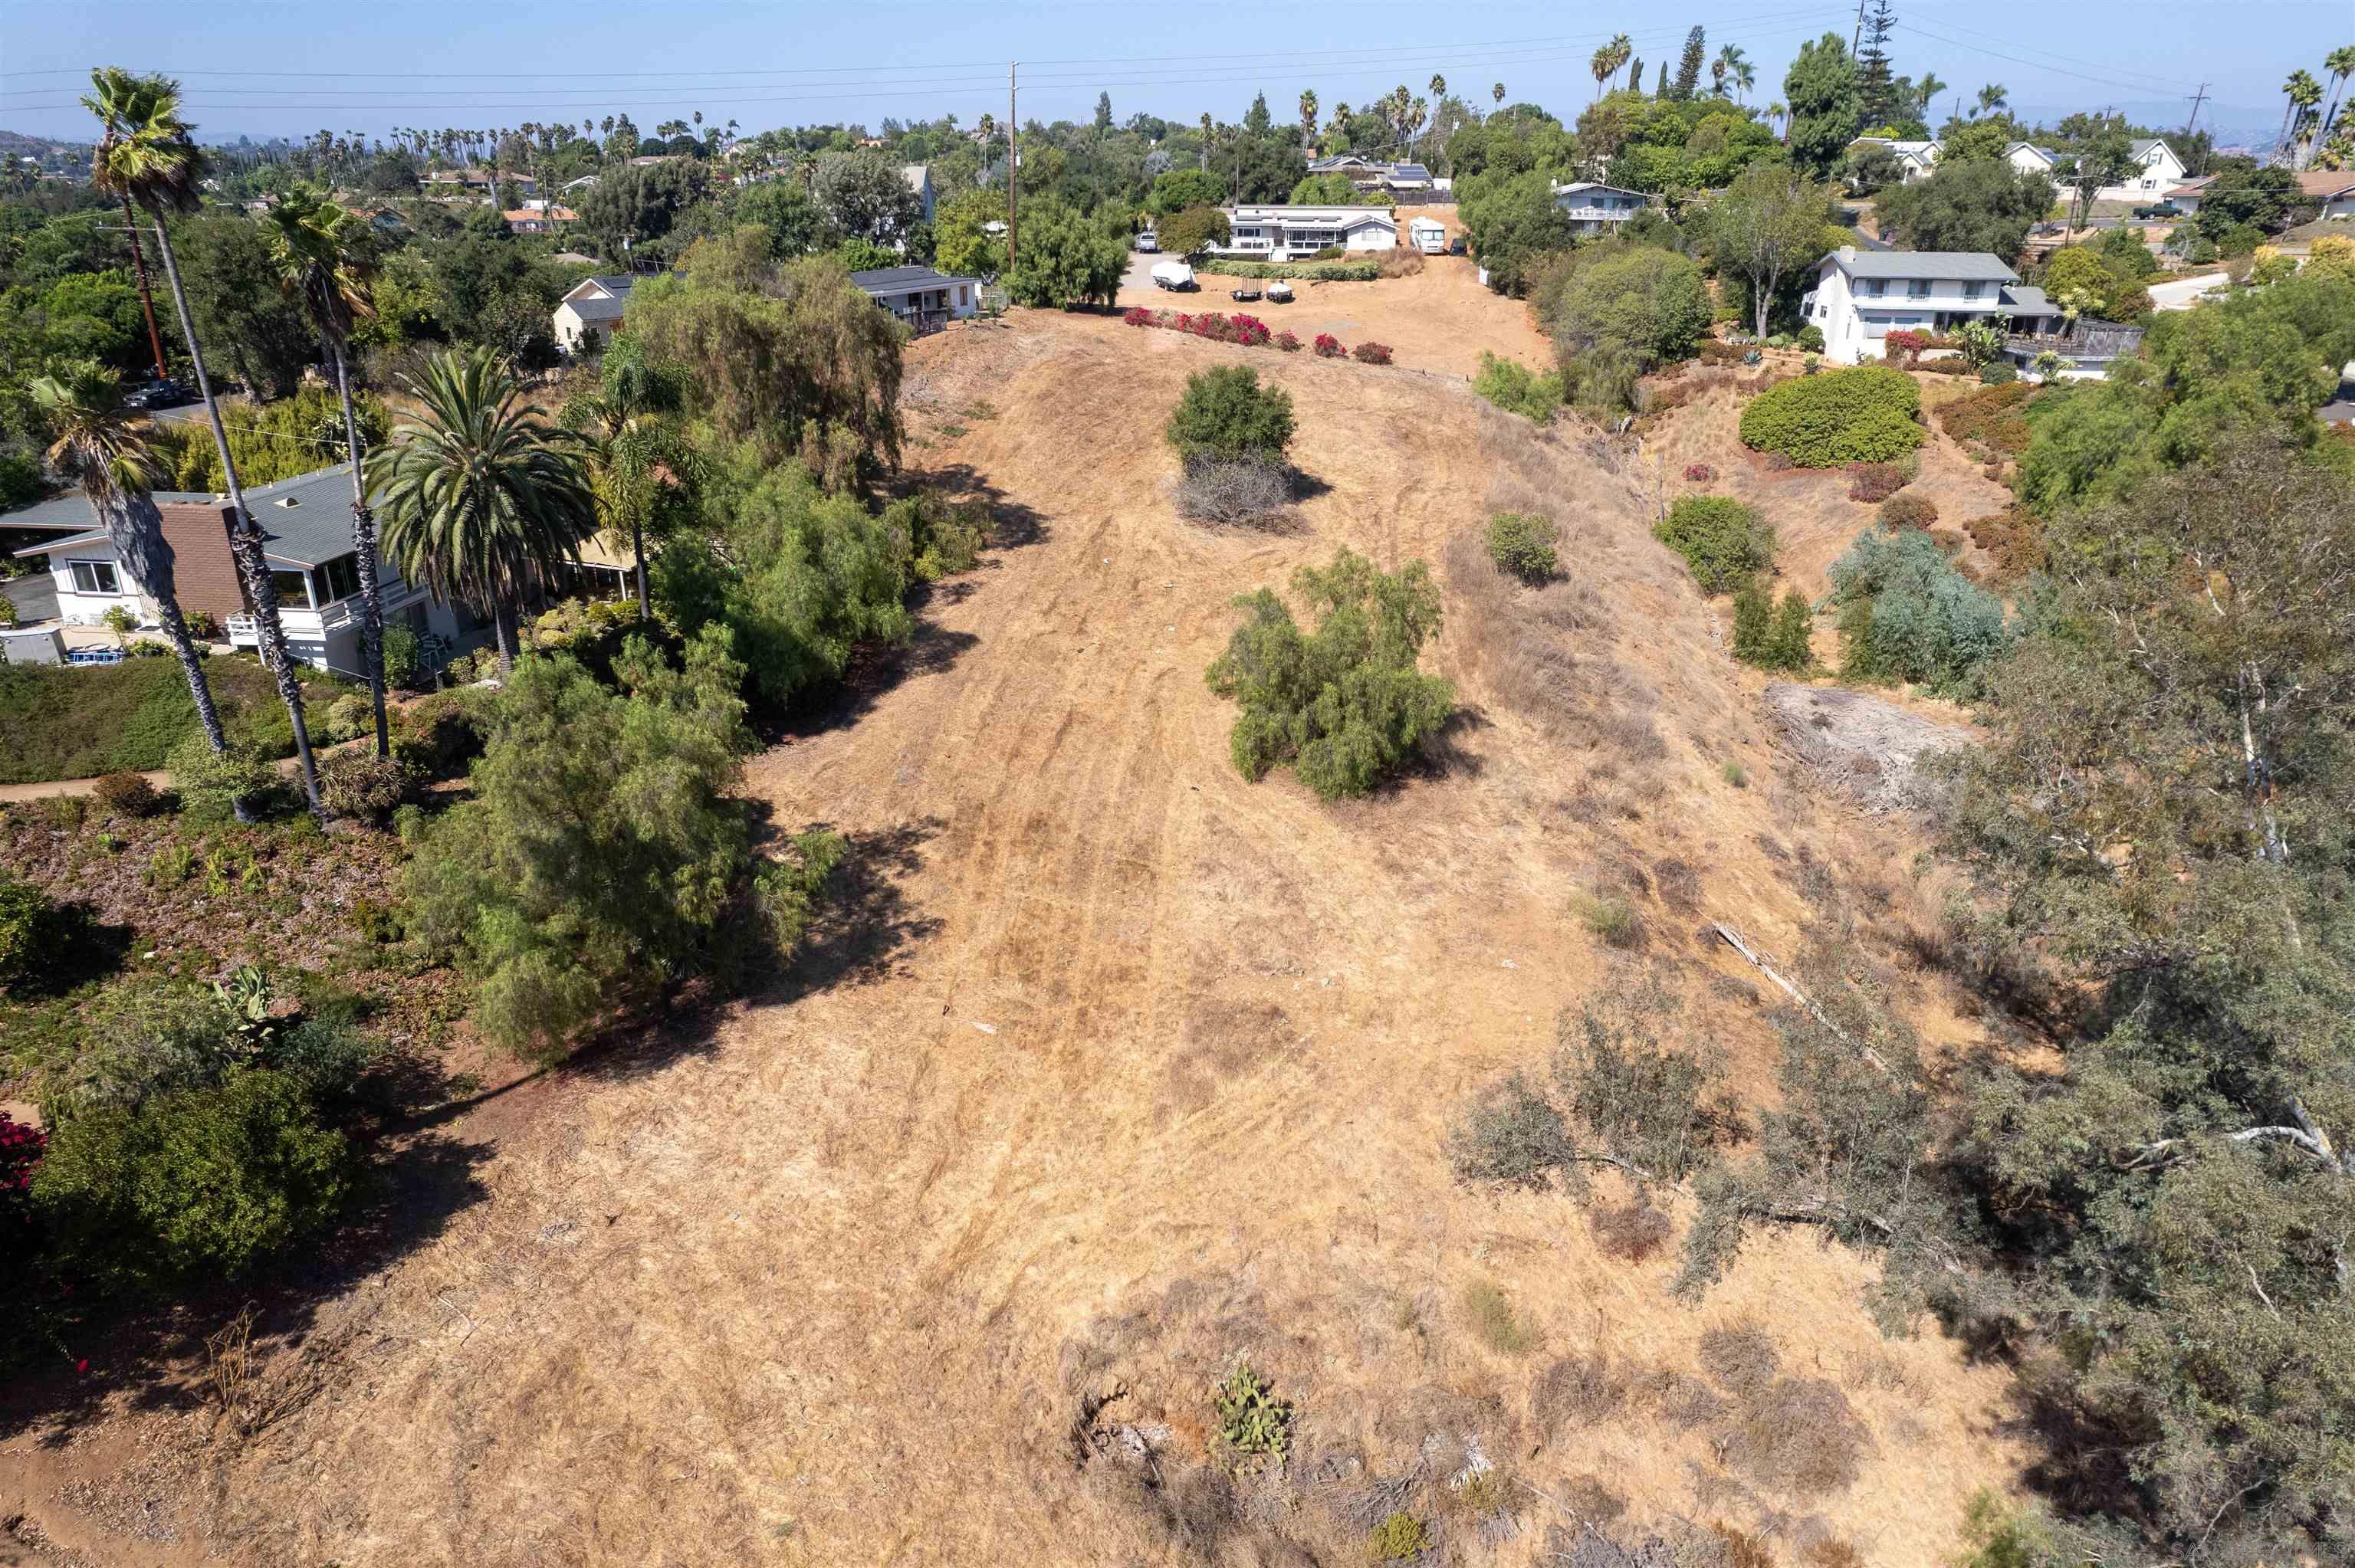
[2304, 92]
[632, 455]
[312, 243]
[1497, 94]
[147, 150]
[1308, 119]
[1732, 65]
[1994, 99]
[1776, 112]
[1602, 65]
[481, 500]
[1928, 87]
[1438, 87]
[93, 438]
[2340, 63]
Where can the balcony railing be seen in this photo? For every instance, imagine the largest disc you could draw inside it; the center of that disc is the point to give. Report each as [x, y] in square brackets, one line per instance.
[299, 619]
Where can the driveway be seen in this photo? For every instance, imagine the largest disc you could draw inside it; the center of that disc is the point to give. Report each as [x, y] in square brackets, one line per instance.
[34, 597]
[1140, 270]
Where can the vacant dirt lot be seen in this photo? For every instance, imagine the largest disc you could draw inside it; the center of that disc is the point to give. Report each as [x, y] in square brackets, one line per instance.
[1111, 1068]
[1439, 319]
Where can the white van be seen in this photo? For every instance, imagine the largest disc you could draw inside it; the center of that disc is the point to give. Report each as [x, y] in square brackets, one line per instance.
[1148, 242]
[1173, 274]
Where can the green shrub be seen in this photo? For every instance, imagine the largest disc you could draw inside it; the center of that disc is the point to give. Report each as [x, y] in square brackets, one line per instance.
[1864, 414]
[1909, 615]
[1493, 1322]
[365, 786]
[1998, 373]
[128, 795]
[945, 536]
[328, 1059]
[1907, 510]
[1736, 775]
[1769, 638]
[1227, 415]
[446, 730]
[1397, 1538]
[1610, 919]
[27, 923]
[1723, 541]
[600, 860]
[1523, 545]
[349, 716]
[1811, 339]
[1626, 309]
[1344, 705]
[1330, 272]
[1511, 1137]
[191, 1184]
[1253, 1424]
[404, 659]
[1518, 390]
[171, 865]
[212, 783]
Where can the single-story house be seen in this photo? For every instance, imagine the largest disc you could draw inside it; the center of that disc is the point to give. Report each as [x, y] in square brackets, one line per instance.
[2332, 190]
[538, 221]
[1915, 159]
[306, 524]
[595, 304]
[918, 296]
[1595, 208]
[2158, 170]
[1374, 174]
[2186, 194]
[2031, 159]
[1861, 296]
[1281, 232]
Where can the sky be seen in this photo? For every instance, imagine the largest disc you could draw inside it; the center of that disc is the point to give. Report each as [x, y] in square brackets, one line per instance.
[267, 68]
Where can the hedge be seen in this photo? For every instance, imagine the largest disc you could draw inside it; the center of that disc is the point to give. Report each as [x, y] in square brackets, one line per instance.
[1860, 415]
[1330, 271]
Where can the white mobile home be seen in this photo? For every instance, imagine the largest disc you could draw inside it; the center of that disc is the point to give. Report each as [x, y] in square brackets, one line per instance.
[1428, 235]
[1285, 233]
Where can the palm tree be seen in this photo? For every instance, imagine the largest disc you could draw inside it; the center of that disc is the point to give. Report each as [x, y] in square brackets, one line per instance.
[2340, 63]
[1308, 119]
[1994, 99]
[1602, 65]
[1731, 65]
[312, 242]
[1438, 87]
[93, 438]
[1928, 87]
[481, 500]
[632, 455]
[2304, 92]
[1497, 94]
[1776, 112]
[147, 150]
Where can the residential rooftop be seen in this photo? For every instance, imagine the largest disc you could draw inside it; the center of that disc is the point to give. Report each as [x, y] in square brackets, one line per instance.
[305, 521]
[1939, 266]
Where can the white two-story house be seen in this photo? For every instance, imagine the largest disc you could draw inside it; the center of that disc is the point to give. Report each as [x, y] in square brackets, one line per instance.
[1284, 233]
[306, 524]
[1594, 209]
[1861, 296]
[1915, 160]
[2158, 171]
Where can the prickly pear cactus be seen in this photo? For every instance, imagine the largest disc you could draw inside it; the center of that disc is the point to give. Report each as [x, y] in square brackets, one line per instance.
[1253, 1424]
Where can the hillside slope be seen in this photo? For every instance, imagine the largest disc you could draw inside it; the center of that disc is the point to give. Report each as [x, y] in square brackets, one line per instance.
[1117, 1066]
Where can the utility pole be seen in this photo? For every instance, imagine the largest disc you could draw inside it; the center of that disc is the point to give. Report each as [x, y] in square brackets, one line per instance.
[2193, 123]
[1013, 157]
[146, 299]
[1855, 34]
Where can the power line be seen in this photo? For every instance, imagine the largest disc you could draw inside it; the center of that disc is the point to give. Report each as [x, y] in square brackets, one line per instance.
[2121, 71]
[2032, 65]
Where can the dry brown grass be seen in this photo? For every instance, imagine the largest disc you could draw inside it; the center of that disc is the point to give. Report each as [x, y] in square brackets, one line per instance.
[1114, 1068]
[1630, 1232]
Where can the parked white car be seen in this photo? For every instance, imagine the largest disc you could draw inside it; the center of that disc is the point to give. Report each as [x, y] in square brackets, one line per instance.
[1173, 274]
[1148, 242]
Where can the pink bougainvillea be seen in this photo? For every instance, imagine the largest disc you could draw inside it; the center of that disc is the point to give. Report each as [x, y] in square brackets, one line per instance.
[1329, 346]
[1699, 472]
[1373, 352]
[1288, 341]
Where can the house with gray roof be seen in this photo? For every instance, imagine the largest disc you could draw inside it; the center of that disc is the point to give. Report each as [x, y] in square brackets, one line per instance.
[1861, 296]
[595, 306]
[2157, 172]
[920, 298]
[306, 524]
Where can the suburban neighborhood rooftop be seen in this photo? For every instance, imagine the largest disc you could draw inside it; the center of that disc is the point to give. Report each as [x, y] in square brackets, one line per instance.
[305, 521]
[1943, 266]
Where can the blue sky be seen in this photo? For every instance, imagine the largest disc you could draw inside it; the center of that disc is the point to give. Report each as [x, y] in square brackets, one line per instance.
[258, 67]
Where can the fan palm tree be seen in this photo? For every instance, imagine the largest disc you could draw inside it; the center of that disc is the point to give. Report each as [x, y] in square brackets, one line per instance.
[146, 152]
[1438, 87]
[321, 266]
[93, 438]
[1497, 94]
[2340, 63]
[481, 500]
[1777, 112]
[1308, 119]
[2304, 92]
[1603, 66]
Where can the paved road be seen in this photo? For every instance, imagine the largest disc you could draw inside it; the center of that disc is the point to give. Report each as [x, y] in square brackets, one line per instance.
[1140, 270]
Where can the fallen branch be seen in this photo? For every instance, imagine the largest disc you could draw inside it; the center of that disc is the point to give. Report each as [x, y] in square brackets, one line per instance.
[1734, 939]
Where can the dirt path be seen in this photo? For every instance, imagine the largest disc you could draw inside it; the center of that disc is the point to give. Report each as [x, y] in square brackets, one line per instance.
[1114, 1065]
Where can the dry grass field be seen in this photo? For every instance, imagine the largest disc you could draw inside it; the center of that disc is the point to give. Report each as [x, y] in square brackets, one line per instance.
[1112, 1067]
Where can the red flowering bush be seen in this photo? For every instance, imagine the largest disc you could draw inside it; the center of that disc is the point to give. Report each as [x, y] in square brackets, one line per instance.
[1904, 345]
[1875, 481]
[1137, 315]
[1373, 353]
[1250, 331]
[20, 1156]
[1700, 473]
[1329, 346]
[1288, 341]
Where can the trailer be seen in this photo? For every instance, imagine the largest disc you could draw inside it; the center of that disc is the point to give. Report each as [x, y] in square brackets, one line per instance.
[1173, 274]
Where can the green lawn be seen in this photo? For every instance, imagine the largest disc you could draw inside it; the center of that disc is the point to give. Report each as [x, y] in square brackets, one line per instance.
[73, 722]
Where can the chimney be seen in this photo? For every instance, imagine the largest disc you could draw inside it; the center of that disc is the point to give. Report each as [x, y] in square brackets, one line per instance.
[1848, 252]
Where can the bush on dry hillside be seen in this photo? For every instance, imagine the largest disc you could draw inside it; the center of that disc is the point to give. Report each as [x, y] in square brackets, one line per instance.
[1769, 638]
[1724, 541]
[1990, 415]
[1522, 544]
[1624, 310]
[1518, 390]
[1864, 414]
[1226, 416]
[1909, 615]
[1344, 705]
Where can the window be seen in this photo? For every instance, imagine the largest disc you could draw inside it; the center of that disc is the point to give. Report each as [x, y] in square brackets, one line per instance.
[339, 578]
[1917, 287]
[94, 577]
[1869, 287]
[1971, 291]
[294, 589]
